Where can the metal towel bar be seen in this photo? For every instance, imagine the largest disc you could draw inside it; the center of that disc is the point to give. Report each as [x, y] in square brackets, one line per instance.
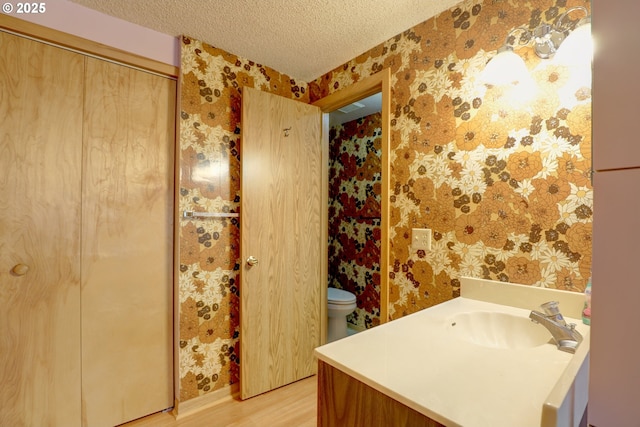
[191, 214]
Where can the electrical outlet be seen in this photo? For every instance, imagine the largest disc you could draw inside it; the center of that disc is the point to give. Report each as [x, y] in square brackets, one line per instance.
[421, 239]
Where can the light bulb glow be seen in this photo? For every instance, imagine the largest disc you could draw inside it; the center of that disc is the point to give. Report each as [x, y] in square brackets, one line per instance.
[505, 68]
[577, 48]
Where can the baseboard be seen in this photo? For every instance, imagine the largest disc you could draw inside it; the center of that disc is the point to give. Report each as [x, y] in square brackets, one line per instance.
[197, 404]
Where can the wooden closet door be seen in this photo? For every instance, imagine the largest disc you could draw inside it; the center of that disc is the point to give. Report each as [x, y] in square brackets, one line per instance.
[40, 166]
[127, 250]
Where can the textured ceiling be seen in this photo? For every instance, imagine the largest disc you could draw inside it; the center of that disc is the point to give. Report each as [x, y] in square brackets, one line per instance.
[301, 38]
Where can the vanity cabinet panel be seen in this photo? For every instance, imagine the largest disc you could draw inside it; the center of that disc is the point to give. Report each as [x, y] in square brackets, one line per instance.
[345, 401]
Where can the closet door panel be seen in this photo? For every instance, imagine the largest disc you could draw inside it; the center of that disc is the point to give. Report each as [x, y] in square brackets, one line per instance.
[40, 174]
[127, 246]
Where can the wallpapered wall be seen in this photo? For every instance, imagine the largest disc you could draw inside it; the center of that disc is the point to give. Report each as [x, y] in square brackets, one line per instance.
[210, 94]
[354, 215]
[501, 176]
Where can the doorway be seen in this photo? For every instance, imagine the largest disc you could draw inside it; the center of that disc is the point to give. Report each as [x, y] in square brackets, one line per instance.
[378, 83]
[354, 207]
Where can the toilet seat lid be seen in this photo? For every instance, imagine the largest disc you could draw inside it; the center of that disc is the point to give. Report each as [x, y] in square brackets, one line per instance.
[340, 296]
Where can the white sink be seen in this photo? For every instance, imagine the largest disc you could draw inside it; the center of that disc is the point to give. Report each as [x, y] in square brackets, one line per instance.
[497, 330]
[476, 360]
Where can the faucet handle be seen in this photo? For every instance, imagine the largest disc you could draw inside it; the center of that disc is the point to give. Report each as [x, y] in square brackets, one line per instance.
[551, 309]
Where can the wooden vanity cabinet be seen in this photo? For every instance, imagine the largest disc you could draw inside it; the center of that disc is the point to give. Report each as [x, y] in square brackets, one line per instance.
[345, 401]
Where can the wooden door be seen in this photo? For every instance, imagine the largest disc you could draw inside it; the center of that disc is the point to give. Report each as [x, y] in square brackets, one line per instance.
[127, 250]
[40, 167]
[281, 224]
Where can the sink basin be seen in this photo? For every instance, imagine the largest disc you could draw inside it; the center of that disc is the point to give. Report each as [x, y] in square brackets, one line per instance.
[485, 363]
[497, 330]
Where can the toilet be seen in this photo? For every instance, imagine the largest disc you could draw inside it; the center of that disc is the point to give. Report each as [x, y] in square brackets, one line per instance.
[340, 304]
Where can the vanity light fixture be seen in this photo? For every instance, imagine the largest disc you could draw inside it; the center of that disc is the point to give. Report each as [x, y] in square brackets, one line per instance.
[560, 39]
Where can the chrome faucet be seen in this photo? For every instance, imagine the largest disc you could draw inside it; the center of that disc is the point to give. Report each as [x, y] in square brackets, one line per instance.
[566, 337]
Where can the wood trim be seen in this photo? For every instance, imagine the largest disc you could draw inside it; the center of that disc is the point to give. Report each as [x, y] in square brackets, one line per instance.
[88, 47]
[177, 231]
[379, 82]
[385, 81]
[206, 401]
[350, 94]
[324, 231]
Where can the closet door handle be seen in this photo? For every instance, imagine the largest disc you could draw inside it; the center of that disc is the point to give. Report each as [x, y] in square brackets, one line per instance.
[20, 269]
[251, 261]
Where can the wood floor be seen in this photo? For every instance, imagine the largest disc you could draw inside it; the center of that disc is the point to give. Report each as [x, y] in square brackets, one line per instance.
[291, 405]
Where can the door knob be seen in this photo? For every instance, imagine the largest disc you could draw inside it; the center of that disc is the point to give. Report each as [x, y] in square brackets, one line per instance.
[20, 269]
[251, 261]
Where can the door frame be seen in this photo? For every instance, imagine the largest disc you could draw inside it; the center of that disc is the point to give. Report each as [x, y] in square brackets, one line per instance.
[379, 82]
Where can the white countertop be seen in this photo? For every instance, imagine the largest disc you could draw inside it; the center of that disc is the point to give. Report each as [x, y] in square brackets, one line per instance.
[418, 361]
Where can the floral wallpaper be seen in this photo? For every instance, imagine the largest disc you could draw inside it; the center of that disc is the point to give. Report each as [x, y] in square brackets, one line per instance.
[501, 175]
[354, 215]
[211, 83]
